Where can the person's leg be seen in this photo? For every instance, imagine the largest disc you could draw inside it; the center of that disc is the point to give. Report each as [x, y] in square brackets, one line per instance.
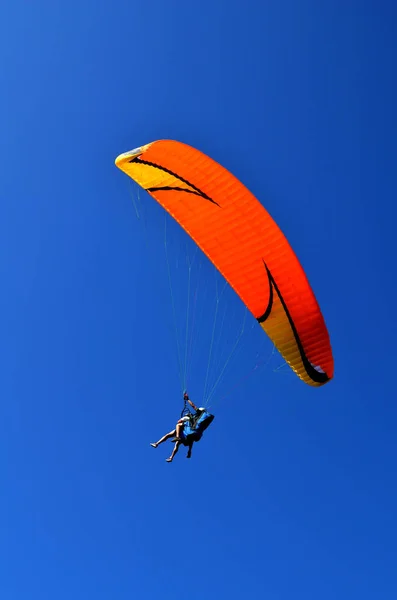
[164, 438]
[175, 450]
[178, 431]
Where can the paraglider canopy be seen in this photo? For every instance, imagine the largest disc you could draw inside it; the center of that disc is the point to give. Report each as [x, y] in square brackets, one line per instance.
[245, 244]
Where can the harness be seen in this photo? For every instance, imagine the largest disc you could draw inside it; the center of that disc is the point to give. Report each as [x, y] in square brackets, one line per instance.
[198, 421]
[193, 417]
[186, 412]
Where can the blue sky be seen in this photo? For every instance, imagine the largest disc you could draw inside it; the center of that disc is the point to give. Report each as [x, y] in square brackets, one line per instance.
[292, 491]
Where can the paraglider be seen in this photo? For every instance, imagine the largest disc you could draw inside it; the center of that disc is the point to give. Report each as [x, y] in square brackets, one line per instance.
[189, 429]
[244, 243]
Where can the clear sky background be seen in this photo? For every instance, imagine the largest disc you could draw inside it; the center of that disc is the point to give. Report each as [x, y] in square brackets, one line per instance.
[292, 491]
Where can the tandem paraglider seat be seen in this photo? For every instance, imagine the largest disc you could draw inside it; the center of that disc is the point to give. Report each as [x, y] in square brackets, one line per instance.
[194, 428]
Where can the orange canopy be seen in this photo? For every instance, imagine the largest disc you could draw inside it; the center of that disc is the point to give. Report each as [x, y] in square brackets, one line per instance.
[241, 239]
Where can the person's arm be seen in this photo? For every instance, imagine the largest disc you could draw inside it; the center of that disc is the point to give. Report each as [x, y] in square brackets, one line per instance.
[192, 405]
